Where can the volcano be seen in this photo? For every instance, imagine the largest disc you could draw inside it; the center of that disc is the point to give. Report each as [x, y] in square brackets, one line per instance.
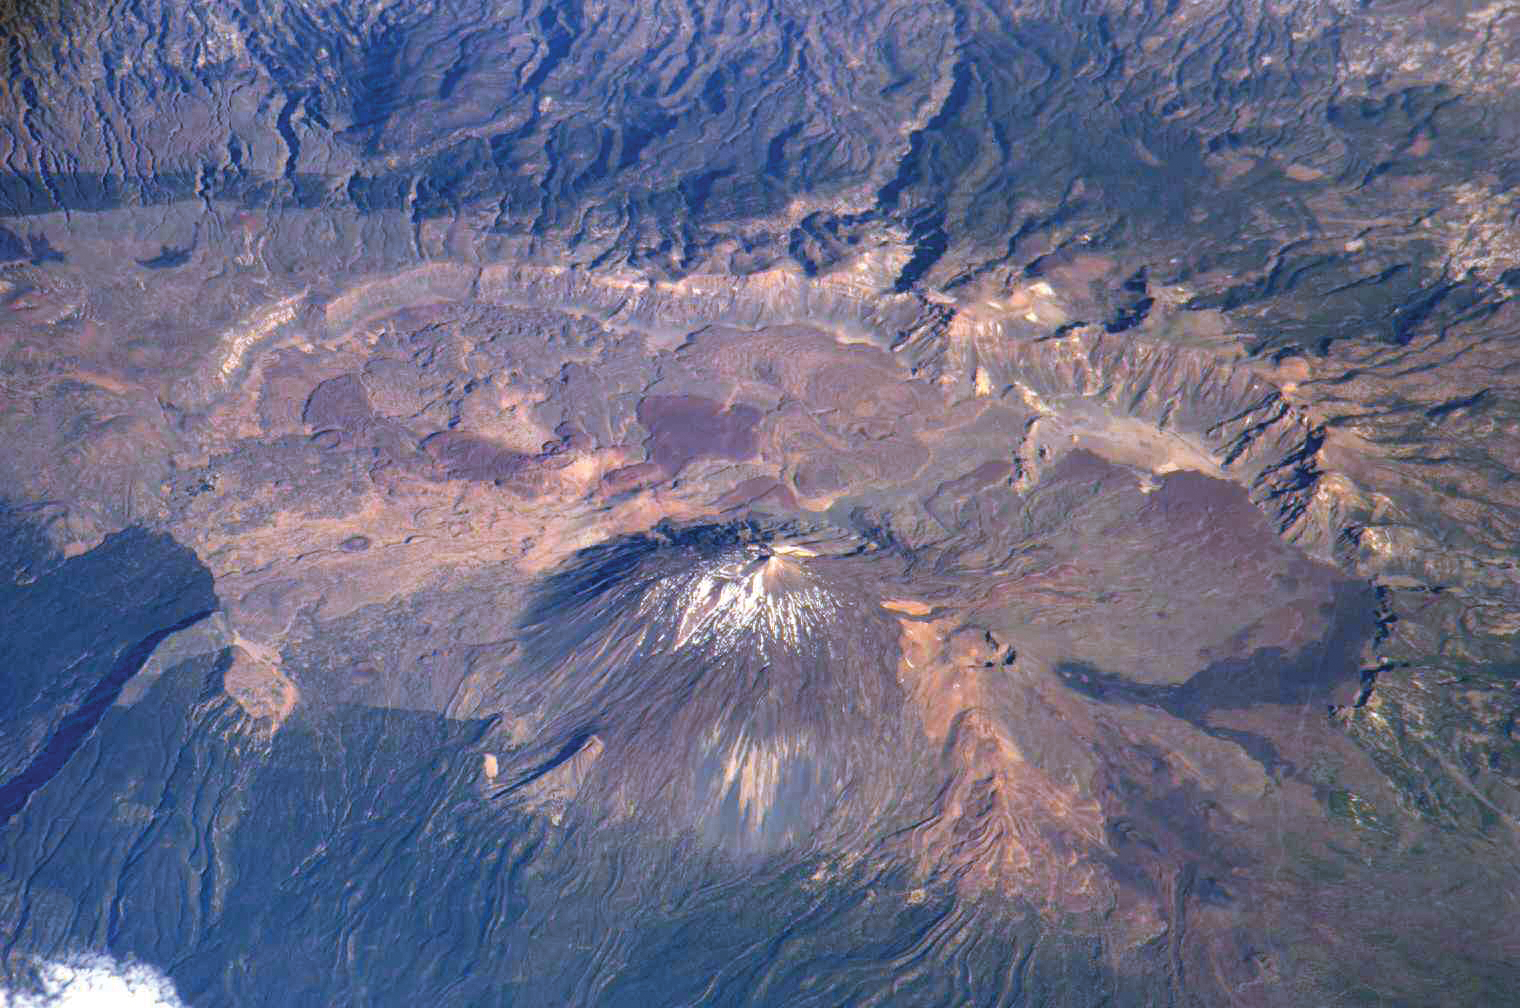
[729, 680]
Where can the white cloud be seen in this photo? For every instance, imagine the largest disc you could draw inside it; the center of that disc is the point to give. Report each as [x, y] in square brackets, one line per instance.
[92, 981]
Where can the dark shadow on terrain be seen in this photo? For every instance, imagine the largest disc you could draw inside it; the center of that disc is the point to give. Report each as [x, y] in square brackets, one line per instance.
[75, 727]
[71, 635]
[25, 551]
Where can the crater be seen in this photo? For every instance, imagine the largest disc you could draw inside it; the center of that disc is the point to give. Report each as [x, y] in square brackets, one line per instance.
[779, 592]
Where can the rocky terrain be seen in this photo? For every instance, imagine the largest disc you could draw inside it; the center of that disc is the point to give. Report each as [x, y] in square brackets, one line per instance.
[921, 472]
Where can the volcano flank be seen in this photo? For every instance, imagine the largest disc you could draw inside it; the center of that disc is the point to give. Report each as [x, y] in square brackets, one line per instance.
[736, 681]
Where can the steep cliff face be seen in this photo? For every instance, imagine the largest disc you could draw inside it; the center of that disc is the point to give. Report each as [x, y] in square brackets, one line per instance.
[1131, 387]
